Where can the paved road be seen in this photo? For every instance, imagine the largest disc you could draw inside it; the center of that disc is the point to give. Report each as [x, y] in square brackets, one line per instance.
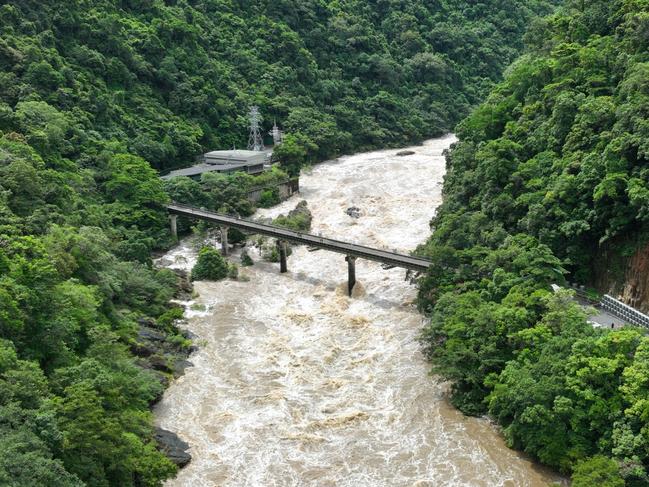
[601, 317]
[606, 319]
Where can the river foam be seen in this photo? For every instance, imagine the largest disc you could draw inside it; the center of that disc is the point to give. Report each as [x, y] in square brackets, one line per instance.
[297, 384]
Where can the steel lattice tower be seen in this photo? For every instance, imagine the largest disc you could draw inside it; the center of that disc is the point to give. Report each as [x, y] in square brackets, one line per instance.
[255, 140]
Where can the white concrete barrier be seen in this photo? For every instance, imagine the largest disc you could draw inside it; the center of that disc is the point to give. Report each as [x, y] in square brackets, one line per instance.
[624, 311]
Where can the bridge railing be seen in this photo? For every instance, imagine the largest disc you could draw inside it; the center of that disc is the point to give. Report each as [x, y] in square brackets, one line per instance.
[305, 238]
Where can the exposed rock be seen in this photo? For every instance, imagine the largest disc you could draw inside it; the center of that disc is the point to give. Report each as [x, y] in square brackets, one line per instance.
[635, 292]
[184, 285]
[143, 349]
[163, 379]
[188, 334]
[148, 341]
[623, 277]
[145, 321]
[163, 262]
[354, 211]
[180, 366]
[405, 153]
[173, 447]
[149, 334]
[160, 363]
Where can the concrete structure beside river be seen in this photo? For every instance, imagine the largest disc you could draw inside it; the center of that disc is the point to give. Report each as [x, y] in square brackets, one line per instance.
[225, 162]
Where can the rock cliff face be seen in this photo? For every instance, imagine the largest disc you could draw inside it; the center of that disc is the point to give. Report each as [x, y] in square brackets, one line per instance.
[635, 291]
[624, 277]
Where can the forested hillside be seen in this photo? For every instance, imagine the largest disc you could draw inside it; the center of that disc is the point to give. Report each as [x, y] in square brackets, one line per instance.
[550, 173]
[95, 95]
[163, 80]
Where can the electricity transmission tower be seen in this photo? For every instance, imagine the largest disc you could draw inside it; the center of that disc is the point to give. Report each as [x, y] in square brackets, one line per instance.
[255, 141]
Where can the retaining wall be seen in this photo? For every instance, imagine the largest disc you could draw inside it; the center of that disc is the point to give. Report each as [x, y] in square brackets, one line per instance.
[286, 189]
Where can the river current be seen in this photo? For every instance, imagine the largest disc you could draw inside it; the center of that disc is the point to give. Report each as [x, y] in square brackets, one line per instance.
[295, 384]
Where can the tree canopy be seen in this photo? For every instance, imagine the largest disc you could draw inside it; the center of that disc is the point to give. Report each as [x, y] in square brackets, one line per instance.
[548, 182]
[165, 80]
[98, 96]
[210, 266]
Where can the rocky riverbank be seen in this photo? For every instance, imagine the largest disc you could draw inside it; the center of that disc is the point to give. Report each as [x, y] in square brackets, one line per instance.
[163, 347]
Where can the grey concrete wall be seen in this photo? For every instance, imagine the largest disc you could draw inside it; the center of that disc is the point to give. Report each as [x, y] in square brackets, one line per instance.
[286, 190]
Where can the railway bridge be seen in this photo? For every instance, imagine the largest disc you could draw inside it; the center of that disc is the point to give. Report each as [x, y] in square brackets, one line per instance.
[283, 235]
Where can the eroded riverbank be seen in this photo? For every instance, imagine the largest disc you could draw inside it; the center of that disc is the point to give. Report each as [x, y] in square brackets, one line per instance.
[296, 384]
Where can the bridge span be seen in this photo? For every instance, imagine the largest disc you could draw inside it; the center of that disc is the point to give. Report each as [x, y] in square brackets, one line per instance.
[284, 235]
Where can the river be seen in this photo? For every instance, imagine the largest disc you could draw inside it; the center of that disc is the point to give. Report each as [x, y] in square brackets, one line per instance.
[297, 384]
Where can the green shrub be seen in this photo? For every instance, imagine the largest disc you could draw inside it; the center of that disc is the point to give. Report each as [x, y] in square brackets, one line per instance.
[246, 261]
[167, 319]
[211, 266]
[298, 219]
[180, 341]
[272, 254]
[236, 236]
[269, 197]
[597, 471]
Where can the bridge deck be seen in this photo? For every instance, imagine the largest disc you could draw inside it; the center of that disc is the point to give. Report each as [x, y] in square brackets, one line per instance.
[395, 259]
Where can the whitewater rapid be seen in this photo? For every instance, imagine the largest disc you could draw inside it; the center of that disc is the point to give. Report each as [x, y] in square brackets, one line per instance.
[295, 384]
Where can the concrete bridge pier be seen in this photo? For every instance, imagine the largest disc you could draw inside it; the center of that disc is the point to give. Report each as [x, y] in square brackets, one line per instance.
[283, 266]
[173, 220]
[224, 240]
[351, 274]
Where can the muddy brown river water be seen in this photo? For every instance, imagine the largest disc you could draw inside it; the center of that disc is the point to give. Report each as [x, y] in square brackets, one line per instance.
[296, 384]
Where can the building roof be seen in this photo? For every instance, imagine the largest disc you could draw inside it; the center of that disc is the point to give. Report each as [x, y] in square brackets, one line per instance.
[248, 161]
[234, 155]
[203, 168]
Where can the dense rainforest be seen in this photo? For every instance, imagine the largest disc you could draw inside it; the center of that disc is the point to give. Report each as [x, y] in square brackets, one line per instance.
[164, 80]
[97, 95]
[550, 175]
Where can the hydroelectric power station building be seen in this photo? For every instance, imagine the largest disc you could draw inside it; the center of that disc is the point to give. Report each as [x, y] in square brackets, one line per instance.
[225, 162]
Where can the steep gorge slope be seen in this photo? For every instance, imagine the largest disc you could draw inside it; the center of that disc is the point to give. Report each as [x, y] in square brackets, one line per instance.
[95, 94]
[560, 149]
[164, 80]
[550, 180]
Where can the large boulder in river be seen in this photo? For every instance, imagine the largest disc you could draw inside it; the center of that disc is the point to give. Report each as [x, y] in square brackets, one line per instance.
[354, 211]
[173, 447]
[180, 366]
